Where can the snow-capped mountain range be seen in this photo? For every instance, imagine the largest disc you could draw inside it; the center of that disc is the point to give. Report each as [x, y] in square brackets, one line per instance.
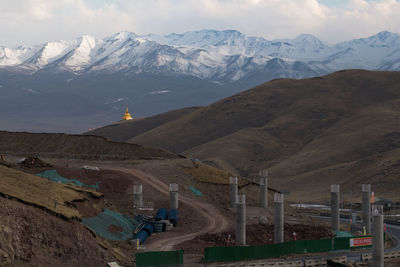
[218, 56]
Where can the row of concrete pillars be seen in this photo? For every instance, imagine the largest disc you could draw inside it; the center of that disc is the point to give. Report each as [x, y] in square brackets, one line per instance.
[138, 196]
[377, 220]
[263, 190]
[366, 207]
[239, 203]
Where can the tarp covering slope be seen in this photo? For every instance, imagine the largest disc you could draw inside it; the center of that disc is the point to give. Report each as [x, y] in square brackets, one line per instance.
[56, 177]
[103, 223]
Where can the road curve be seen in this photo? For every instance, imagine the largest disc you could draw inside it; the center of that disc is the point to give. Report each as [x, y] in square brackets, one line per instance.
[215, 221]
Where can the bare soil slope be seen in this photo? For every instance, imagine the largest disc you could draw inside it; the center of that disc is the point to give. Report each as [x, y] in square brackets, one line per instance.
[124, 130]
[29, 236]
[340, 128]
[74, 146]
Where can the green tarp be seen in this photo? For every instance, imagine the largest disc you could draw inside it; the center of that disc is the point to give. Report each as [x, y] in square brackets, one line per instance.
[56, 177]
[195, 191]
[109, 223]
[342, 234]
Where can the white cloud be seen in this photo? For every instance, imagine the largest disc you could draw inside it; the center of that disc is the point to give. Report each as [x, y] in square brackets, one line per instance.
[36, 21]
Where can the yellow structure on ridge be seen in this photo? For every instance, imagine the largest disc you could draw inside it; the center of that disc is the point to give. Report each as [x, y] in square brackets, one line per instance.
[127, 116]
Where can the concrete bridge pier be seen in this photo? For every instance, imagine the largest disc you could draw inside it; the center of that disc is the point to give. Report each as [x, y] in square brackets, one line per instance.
[233, 189]
[335, 200]
[241, 220]
[173, 196]
[366, 207]
[278, 218]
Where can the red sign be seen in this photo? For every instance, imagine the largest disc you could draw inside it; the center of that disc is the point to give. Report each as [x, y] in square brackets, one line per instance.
[361, 242]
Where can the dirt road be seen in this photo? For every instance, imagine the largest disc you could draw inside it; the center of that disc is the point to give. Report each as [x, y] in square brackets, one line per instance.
[214, 221]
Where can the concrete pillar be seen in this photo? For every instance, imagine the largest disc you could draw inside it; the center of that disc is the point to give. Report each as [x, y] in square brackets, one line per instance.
[278, 218]
[241, 220]
[366, 207]
[353, 226]
[377, 236]
[137, 195]
[335, 200]
[264, 189]
[173, 196]
[233, 188]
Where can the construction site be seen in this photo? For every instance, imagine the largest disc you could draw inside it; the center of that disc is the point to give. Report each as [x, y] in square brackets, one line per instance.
[179, 212]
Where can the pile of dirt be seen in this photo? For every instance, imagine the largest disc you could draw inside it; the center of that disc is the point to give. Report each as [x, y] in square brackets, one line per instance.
[34, 162]
[256, 234]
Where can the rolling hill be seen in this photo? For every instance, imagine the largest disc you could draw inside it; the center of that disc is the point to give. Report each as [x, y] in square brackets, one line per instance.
[123, 130]
[340, 128]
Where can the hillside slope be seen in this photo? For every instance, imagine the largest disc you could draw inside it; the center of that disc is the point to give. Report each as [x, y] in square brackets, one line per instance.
[297, 129]
[124, 130]
[74, 146]
[38, 225]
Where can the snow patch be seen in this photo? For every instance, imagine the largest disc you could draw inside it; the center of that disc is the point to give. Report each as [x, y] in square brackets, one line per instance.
[32, 91]
[160, 92]
[117, 100]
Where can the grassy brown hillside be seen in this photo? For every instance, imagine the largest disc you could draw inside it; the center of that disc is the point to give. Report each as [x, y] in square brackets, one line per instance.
[74, 146]
[321, 130]
[124, 130]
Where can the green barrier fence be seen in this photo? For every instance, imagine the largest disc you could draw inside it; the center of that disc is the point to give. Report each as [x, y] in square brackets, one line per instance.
[312, 246]
[215, 254]
[341, 243]
[159, 258]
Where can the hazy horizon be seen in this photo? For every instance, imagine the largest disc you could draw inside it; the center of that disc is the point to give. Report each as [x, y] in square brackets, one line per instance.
[30, 22]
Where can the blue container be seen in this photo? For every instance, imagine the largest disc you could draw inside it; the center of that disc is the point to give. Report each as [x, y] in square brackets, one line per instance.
[148, 227]
[161, 214]
[142, 236]
[173, 217]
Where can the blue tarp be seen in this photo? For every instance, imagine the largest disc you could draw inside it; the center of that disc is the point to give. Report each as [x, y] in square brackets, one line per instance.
[56, 177]
[102, 222]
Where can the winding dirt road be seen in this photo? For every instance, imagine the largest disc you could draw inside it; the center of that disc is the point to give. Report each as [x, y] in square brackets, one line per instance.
[215, 222]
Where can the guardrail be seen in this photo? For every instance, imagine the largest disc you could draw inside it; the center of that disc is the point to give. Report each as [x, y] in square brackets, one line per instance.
[387, 255]
[287, 263]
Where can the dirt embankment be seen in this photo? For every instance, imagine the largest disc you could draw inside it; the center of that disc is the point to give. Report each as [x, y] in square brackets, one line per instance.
[31, 237]
[74, 146]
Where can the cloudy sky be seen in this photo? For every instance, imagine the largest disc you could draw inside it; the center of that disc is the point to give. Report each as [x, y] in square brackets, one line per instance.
[31, 22]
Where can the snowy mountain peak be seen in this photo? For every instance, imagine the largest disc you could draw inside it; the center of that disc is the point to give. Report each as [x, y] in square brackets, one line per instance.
[220, 56]
[122, 35]
[385, 35]
[308, 39]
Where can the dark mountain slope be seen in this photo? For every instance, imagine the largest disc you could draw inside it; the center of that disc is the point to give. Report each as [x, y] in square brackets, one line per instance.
[299, 129]
[291, 109]
[124, 130]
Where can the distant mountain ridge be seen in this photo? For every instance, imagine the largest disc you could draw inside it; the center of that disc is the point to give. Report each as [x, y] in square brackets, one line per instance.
[75, 85]
[218, 56]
